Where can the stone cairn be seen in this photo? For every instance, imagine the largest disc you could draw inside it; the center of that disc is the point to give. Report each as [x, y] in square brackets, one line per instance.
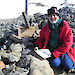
[19, 57]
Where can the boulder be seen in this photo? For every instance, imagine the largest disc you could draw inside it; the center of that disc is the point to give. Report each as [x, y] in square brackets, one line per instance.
[40, 67]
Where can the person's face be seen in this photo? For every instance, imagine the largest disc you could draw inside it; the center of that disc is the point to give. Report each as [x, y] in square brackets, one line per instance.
[53, 17]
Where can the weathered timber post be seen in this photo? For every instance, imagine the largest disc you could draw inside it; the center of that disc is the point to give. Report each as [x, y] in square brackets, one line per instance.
[26, 20]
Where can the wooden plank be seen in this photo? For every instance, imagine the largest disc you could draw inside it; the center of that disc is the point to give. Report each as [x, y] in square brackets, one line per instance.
[15, 38]
[27, 32]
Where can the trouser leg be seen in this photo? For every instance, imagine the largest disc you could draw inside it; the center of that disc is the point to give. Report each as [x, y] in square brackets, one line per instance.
[56, 62]
[67, 62]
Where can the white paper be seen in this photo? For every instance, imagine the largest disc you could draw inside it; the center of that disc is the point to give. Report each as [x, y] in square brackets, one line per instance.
[44, 53]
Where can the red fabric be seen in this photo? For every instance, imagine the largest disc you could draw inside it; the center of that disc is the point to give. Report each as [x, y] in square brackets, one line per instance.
[66, 39]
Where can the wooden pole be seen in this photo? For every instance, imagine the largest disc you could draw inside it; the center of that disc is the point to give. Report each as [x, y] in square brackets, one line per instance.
[26, 20]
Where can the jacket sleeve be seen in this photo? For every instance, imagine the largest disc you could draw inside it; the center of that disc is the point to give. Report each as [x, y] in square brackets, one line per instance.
[40, 40]
[67, 42]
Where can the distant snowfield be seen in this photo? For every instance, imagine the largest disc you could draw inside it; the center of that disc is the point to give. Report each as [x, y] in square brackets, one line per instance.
[11, 8]
[48, 3]
[14, 8]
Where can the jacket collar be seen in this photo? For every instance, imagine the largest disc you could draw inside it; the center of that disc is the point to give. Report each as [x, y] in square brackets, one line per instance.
[54, 25]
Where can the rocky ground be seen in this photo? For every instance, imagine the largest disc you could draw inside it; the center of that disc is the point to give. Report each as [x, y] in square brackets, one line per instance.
[19, 57]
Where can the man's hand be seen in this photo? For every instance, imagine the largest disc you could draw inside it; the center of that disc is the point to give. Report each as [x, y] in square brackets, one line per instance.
[36, 48]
